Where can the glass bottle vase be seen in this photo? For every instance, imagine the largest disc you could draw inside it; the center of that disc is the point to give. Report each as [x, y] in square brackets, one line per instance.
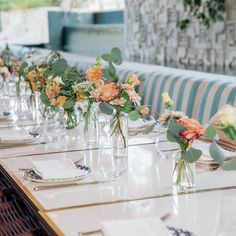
[71, 119]
[119, 135]
[91, 134]
[184, 173]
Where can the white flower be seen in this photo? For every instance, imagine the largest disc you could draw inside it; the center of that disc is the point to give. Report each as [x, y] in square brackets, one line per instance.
[58, 80]
[165, 116]
[228, 116]
[134, 97]
[119, 101]
[4, 70]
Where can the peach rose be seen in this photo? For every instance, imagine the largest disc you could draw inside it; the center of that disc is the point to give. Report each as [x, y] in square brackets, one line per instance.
[108, 92]
[52, 90]
[144, 111]
[60, 101]
[1, 62]
[31, 75]
[194, 129]
[94, 74]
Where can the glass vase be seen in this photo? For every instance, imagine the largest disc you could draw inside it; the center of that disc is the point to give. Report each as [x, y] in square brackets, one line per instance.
[71, 119]
[184, 173]
[91, 134]
[119, 135]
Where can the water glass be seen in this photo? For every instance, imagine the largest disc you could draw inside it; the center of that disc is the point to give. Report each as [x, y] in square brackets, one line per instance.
[111, 166]
[55, 125]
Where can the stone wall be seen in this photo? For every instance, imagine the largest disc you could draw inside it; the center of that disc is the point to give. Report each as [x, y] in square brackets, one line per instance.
[152, 36]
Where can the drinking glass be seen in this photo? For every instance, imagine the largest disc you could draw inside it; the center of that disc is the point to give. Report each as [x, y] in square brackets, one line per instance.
[110, 165]
[55, 125]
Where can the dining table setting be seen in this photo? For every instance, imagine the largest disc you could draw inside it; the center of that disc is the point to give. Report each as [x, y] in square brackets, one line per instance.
[81, 155]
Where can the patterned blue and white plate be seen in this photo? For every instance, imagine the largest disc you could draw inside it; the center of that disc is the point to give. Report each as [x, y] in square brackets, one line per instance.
[30, 174]
[180, 232]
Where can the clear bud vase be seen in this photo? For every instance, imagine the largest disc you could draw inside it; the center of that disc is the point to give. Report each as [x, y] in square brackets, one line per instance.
[184, 173]
[119, 137]
[91, 134]
[71, 120]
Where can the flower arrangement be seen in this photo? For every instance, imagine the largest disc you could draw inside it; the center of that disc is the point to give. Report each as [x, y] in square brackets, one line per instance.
[114, 97]
[54, 79]
[184, 132]
[228, 126]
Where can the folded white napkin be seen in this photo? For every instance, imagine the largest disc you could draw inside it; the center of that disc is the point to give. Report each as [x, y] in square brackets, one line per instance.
[204, 147]
[135, 227]
[56, 169]
[15, 135]
[140, 123]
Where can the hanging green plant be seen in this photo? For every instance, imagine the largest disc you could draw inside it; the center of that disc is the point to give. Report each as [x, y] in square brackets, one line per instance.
[206, 11]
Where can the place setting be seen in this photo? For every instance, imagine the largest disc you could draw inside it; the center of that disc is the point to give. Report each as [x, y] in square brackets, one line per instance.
[16, 137]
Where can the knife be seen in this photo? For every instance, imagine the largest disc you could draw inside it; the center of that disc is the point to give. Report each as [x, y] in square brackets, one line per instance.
[67, 185]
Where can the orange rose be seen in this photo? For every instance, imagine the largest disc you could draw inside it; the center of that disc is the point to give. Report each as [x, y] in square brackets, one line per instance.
[108, 92]
[194, 129]
[1, 62]
[60, 101]
[35, 86]
[31, 75]
[52, 90]
[94, 74]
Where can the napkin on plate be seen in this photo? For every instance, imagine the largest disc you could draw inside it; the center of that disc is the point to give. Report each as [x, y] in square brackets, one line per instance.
[137, 227]
[56, 169]
[140, 123]
[15, 135]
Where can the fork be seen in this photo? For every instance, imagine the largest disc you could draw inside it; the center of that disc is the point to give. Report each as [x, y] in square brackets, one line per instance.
[81, 233]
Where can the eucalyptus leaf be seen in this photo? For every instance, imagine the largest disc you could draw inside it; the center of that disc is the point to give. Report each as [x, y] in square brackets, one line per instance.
[149, 129]
[68, 104]
[176, 128]
[106, 57]
[210, 132]
[134, 115]
[216, 153]
[44, 99]
[106, 108]
[59, 66]
[229, 165]
[192, 155]
[112, 69]
[116, 56]
[22, 68]
[172, 138]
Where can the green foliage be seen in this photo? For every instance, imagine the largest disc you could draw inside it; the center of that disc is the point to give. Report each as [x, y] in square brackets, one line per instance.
[192, 155]
[134, 115]
[229, 165]
[106, 108]
[114, 58]
[22, 68]
[24, 4]
[210, 132]
[207, 12]
[229, 131]
[149, 129]
[59, 67]
[216, 153]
